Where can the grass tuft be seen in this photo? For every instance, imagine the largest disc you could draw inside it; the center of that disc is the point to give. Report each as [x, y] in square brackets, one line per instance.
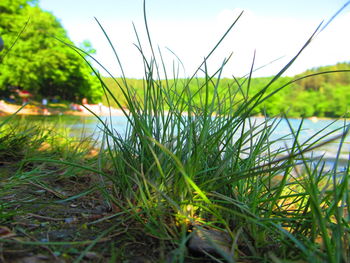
[189, 160]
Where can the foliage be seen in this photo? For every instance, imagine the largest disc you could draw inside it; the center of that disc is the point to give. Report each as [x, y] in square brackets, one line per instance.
[324, 95]
[37, 61]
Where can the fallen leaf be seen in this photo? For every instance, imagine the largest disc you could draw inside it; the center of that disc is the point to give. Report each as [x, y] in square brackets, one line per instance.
[5, 232]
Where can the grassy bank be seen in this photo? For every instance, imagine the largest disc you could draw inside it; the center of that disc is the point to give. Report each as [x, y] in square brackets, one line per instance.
[63, 199]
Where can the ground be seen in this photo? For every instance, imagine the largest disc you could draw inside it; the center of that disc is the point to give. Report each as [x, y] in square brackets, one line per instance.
[71, 229]
[52, 212]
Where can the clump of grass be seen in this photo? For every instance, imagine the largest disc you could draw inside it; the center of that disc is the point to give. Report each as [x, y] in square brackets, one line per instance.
[181, 166]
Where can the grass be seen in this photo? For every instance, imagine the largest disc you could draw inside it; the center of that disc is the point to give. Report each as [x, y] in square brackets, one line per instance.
[184, 171]
[179, 167]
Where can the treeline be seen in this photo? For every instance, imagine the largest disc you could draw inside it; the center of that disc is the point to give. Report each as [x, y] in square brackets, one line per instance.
[37, 57]
[323, 95]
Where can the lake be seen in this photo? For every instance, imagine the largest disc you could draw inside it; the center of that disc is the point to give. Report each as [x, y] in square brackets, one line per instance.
[90, 127]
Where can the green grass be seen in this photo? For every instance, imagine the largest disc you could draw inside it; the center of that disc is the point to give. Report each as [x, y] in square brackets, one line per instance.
[185, 165]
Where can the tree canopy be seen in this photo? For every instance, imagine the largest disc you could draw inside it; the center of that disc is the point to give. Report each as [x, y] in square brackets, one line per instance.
[34, 60]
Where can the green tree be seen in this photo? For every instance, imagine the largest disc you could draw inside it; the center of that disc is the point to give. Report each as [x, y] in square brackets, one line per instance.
[38, 62]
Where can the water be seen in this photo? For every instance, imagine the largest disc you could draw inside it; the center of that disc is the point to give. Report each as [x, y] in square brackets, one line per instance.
[91, 127]
[310, 129]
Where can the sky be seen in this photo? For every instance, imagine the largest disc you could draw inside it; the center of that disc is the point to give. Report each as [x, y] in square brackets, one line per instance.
[275, 30]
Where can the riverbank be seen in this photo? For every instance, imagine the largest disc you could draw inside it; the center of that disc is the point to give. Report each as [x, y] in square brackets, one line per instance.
[35, 108]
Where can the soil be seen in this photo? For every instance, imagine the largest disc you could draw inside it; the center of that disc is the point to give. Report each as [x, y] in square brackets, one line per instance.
[71, 229]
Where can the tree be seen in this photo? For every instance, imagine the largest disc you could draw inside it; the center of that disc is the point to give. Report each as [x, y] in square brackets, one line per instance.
[38, 62]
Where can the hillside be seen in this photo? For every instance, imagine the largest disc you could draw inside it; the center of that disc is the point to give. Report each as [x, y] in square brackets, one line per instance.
[324, 95]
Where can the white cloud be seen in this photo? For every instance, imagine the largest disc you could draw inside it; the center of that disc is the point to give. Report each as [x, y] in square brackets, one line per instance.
[192, 40]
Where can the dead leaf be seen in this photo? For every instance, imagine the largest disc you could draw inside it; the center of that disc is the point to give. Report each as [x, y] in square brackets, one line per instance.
[5, 232]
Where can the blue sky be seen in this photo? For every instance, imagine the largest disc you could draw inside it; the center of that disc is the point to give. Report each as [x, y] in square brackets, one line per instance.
[191, 28]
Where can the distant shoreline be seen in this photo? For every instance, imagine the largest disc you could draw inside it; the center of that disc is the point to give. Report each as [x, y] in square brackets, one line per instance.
[30, 109]
[98, 109]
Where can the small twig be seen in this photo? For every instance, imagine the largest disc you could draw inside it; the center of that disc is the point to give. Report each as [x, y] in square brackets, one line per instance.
[45, 217]
[113, 235]
[55, 193]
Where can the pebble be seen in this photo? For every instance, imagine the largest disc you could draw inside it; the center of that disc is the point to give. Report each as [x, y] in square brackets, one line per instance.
[210, 240]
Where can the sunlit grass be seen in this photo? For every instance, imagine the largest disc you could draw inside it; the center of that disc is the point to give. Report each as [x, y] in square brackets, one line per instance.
[196, 159]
